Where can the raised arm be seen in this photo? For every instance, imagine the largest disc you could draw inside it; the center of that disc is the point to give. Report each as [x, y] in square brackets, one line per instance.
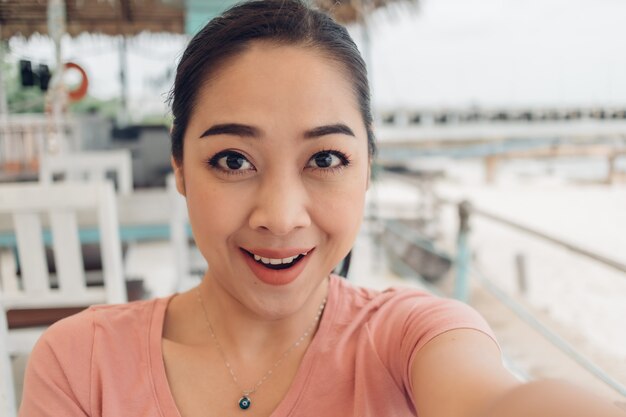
[460, 373]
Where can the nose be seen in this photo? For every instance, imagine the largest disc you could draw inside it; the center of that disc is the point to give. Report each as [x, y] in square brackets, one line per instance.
[281, 205]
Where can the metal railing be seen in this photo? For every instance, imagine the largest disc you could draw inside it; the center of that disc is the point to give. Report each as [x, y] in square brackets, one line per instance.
[464, 271]
[621, 267]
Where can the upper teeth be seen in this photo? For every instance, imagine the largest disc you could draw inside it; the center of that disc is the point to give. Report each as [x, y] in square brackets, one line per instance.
[276, 261]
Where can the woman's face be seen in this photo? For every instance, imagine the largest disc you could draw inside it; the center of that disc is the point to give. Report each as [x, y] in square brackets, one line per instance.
[275, 166]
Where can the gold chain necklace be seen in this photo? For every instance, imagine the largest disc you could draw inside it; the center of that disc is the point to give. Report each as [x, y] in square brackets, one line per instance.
[244, 401]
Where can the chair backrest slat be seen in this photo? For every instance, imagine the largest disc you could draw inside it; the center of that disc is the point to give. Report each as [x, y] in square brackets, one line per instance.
[178, 235]
[8, 272]
[97, 176]
[110, 247]
[32, 254]
[55, 209]
[67, 252]
[90, 166]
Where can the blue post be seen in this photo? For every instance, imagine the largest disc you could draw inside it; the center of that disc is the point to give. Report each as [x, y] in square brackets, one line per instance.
[463, 258]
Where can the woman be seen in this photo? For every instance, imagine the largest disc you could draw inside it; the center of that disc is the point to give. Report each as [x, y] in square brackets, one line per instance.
[272, 145]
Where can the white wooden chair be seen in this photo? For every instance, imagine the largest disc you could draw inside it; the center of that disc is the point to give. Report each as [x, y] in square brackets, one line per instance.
[37, 209]
[7, 389]
[90, 166]
[189, 263]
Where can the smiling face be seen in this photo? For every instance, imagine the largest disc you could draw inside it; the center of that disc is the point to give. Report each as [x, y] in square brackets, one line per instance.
[275, 169]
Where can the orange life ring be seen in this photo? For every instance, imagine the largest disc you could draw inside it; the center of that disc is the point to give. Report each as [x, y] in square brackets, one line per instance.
[80, 92]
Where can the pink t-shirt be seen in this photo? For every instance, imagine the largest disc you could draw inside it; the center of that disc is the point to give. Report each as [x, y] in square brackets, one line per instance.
[107, 361]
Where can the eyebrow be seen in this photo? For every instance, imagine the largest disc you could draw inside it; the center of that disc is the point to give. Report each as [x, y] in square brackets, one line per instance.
[337, 128]
[247, 131]
[232, 129]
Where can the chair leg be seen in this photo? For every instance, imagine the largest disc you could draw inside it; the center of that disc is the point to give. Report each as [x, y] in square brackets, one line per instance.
[7, 390]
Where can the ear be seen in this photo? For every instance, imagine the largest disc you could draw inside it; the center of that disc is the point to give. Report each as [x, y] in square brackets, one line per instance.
[178, 175]
[369, 174]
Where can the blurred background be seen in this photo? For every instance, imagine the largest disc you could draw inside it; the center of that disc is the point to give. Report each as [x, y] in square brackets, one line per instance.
[500, 178]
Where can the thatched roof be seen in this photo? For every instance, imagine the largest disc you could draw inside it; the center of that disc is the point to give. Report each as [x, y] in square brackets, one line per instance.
[130, 17]
[349, 11]
[109, 17]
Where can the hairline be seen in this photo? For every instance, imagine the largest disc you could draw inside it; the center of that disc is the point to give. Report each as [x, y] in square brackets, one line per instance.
[245, 46]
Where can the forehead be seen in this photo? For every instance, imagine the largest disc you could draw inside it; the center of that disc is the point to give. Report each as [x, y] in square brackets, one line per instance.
[268, 81]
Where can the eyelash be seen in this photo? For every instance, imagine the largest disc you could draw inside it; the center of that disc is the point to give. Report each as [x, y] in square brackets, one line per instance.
[345, 160]
[214, 162]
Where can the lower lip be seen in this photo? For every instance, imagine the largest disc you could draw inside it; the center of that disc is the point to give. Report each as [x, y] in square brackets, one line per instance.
[276, 277]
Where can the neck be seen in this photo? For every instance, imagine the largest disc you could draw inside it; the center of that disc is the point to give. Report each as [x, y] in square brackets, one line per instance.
[269, 330]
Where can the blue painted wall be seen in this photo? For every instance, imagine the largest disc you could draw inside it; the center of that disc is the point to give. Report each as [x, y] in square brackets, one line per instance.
[199, 12]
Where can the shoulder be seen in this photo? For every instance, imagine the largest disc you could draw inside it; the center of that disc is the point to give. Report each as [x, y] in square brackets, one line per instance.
[115, 318]
[71, 341]
[398, 322]
[72, 352]
[404, 311]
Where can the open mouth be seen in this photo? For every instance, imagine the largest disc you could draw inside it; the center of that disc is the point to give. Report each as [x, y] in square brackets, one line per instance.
[276, 263]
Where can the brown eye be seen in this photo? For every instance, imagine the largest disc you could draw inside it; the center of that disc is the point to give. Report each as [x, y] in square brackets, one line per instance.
[324, 160]
[230, 161]
[327, 160]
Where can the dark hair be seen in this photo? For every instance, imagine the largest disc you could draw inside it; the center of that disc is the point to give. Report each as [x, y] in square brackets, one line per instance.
[289, 22]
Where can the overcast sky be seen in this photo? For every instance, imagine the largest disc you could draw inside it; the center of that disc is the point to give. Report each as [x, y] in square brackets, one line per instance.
[448, 53]
[502, 52]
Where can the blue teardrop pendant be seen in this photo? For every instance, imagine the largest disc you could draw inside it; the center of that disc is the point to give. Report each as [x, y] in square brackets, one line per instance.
[244, 403]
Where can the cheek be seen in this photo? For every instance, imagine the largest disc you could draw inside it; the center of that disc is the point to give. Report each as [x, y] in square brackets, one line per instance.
[215, 212]
[339, 211]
